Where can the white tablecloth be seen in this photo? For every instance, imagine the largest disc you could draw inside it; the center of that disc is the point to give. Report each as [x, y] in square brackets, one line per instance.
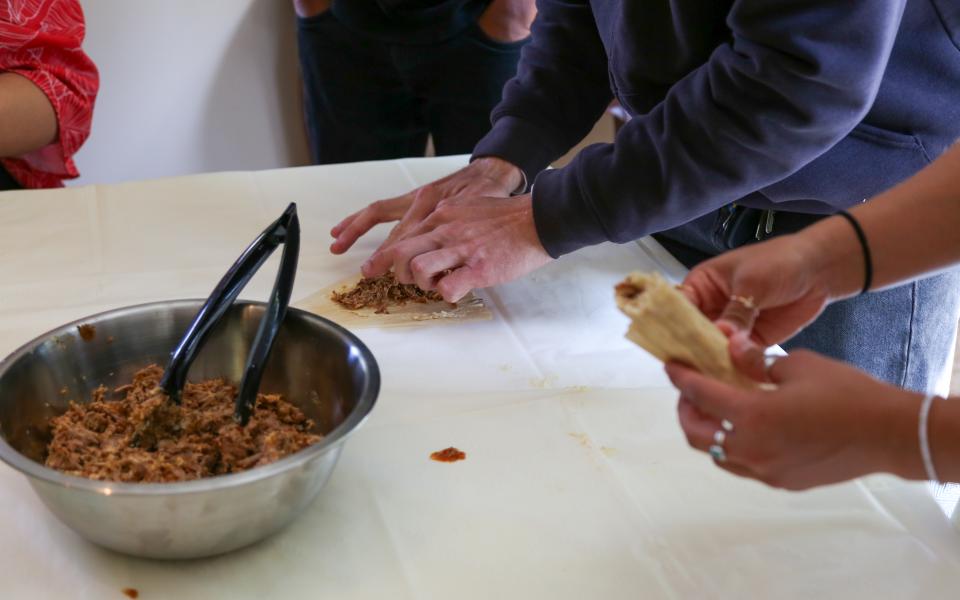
[578, 483]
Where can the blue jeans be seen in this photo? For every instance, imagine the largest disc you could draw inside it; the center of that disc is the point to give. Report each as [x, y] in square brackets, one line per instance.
[902, 335]
[369, 99]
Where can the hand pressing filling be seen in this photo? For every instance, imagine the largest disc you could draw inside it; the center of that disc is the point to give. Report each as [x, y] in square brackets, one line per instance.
[383, 292]
[144, 437]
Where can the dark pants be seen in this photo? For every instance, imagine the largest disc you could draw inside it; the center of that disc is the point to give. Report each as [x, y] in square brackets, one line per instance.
[370, 100]
[902, 335]
[7, 182]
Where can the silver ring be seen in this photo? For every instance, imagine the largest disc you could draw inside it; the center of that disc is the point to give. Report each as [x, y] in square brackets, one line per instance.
[718, 453]
[719, 437]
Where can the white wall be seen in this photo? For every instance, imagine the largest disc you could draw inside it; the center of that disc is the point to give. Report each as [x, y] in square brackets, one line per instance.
[191, 86]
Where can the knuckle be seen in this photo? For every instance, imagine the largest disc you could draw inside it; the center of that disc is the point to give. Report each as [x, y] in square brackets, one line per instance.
[446, 232]
[396, 233]
[377, 257]
[425, 282]
[750, 279]
[433, 220]
[418, 266]
[357, 225]
[402, 251]
[760, 465]
[473, 231]
[480, 253]
[424, 194]
[774, 480]
[444, 211]
[403, 275]
[763, 463]
[482, 269]
[445, 287]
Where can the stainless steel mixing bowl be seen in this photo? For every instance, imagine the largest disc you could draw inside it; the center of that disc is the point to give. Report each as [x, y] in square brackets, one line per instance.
[315, 364]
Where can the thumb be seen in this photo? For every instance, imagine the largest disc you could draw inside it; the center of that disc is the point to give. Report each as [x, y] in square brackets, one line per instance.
[798, 364]
[747, 356]
[423, 203]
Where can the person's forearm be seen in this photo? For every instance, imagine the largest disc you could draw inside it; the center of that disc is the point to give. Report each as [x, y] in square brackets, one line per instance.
[27, 119]
[523, 10]
[501, 171]
[911, 230]
[892, 440]
[759, 109]
[310, 8]
[560, 90]
[944, 437]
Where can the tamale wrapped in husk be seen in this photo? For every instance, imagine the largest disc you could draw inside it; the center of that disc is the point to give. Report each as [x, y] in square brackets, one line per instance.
[667, 325]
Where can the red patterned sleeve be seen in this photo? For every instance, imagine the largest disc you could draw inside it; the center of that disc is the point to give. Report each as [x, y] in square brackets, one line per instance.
[41, 40]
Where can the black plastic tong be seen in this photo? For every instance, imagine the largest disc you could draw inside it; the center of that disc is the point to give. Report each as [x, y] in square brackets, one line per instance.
[286, 231]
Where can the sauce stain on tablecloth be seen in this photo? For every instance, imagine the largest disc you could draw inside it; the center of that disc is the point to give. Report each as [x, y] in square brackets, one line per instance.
[448, 455]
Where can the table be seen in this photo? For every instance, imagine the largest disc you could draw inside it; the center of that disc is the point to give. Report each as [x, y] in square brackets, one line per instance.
[577, 482]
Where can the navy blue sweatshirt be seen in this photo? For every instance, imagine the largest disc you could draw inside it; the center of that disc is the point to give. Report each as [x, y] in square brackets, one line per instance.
[804, 106]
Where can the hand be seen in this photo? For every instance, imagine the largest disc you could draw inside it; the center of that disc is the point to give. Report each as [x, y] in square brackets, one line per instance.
[311, 8]
[508, 20]
[488, 176]
[809, 431]
[780, 277]
[465, 243]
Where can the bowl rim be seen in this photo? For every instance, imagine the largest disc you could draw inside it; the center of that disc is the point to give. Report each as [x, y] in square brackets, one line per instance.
[361, 411]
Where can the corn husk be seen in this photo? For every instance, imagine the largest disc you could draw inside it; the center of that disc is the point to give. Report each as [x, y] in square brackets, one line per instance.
[412, 314]
[670, 327]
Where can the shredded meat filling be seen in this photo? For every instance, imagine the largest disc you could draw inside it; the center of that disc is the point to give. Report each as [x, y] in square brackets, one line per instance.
[141, 436]
[628, 290]
[383, 292]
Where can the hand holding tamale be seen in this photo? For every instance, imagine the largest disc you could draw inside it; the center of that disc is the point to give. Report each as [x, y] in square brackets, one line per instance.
[667, 325]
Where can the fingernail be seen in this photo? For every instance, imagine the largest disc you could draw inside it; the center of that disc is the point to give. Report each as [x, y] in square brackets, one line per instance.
[740, 343]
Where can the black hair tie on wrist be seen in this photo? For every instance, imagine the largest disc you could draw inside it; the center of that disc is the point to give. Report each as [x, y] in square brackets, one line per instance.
[867, 261]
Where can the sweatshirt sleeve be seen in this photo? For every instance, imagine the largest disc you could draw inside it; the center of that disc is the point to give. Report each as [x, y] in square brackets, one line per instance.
[795, 79]
[560, 90]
